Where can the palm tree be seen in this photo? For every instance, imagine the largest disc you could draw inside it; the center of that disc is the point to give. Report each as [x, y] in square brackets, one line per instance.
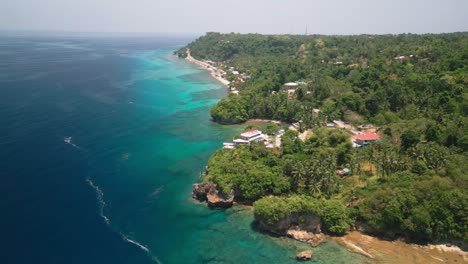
[298, 175]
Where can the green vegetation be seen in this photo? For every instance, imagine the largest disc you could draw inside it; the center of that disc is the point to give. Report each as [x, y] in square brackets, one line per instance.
[425, 209]
[230, 110]
[354, 78]
[411, 183]
[333, 213]
[251, 171]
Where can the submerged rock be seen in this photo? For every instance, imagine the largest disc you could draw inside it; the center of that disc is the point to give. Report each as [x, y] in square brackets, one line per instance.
[310, 238]
[304, 255]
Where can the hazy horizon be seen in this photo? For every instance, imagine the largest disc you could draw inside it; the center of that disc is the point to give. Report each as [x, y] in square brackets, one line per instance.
[189, 17]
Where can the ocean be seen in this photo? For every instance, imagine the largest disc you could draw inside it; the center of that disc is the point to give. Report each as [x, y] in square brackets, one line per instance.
[101, 139]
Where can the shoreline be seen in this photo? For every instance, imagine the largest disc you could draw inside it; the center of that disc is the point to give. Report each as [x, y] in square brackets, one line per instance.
[214, 71]
[398, 251]
[383, 251]
[371, 247]
[264, 121]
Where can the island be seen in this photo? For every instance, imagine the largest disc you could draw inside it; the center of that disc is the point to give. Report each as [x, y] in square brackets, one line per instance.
[369, 134]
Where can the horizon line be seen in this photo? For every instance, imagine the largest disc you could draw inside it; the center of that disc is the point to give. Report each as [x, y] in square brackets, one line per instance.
[153, 33]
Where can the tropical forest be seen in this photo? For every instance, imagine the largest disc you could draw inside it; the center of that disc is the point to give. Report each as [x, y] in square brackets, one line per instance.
[411, 183]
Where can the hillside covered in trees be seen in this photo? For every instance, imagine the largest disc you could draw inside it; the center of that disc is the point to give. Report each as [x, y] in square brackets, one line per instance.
[411, 183]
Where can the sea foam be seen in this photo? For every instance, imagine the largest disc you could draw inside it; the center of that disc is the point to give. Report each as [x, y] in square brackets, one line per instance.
[100, 198]
[131, 241]
[68, 140]
[102, 205]
[124, 237]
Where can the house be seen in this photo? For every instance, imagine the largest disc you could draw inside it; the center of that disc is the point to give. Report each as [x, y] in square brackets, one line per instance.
[364, 139]
[239, 141]
[229, 145]
[400, 57]
[235, 72]
[343, 172]
[255, 135]
[331, 125]
[296, 125]
[252, 135]
[248, 136]
[365, 127]
[291, 84]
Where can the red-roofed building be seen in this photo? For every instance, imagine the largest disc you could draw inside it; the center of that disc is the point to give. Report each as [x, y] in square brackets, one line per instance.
[365, 139]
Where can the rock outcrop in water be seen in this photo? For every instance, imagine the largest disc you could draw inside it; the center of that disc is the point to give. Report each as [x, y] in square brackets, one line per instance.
[209, 192]
[303, 227]
[302, 221]
[310, 238]
[304, 255]
[200, 191]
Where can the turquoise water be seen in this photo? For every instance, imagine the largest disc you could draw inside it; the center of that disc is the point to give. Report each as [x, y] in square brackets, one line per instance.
[102, 141]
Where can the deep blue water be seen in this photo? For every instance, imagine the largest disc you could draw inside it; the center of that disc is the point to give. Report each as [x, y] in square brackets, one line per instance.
[101, 139]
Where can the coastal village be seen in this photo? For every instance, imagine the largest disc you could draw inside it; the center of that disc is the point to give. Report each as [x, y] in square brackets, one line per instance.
[361, 136]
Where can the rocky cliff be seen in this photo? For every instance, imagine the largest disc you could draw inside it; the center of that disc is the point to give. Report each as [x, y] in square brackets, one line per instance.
[209, 192]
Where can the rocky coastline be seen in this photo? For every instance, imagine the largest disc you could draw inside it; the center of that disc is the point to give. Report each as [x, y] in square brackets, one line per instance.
[301, 227]
[214, 198]
[307, 228]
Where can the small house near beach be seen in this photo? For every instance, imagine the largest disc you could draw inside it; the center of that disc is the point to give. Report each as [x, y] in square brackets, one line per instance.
[246, 138]
[252, 135]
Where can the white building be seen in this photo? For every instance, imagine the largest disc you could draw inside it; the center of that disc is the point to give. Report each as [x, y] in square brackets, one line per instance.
[291, 84]
[252, 135]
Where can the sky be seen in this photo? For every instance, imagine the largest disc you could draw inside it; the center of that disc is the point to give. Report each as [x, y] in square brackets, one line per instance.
[329, 17]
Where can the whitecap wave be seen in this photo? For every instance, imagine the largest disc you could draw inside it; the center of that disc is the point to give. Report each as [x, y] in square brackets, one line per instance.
[102, 205]
[126, 156]
[157, 191]
[100, 198]
[124, 237]
[144, 248]
[68, 140]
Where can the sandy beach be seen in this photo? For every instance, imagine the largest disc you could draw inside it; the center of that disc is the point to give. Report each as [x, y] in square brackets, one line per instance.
[264, 120]
[400, 252]
[215, 72]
